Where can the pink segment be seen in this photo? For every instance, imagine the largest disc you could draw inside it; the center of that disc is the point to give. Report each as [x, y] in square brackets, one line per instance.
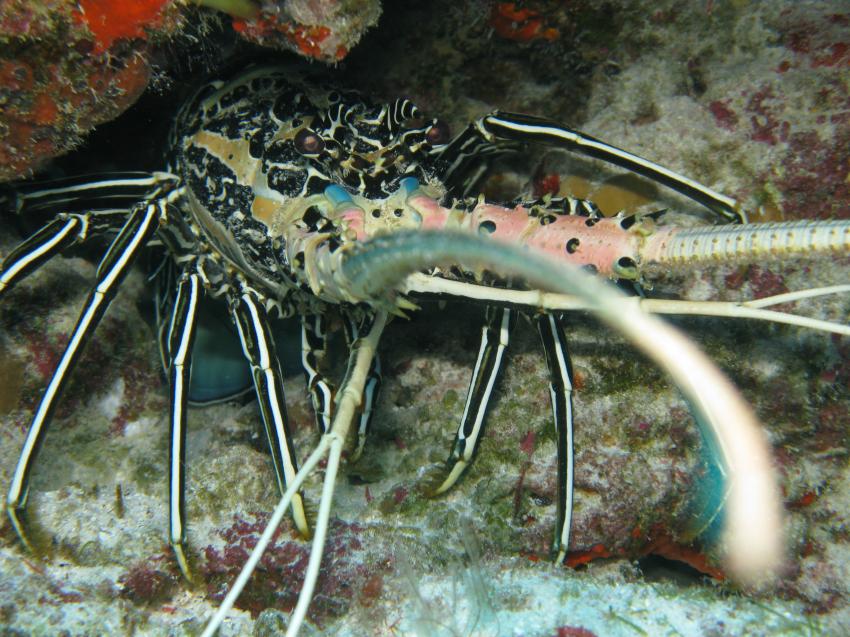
[354, 218]
[434, 216]
[600, 243]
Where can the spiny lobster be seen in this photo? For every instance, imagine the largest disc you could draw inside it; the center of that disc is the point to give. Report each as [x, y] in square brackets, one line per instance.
[285, 199]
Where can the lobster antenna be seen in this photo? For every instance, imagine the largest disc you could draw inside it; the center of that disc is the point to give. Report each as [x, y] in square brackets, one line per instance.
[753, 547]
[371, 271]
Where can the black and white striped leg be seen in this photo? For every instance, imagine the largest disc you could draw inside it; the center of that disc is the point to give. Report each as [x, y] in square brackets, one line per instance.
[252, 323]
[495, 336]
[181, 336]
[314, 343]
[353, 330]
[165, 296]
[466, 159]
[514, 127]
[114, 192]
[137, 231]
[551, 331]
[62, 232]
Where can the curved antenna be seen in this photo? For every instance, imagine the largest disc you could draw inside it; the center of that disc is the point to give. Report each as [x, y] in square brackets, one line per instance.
[373, 270]
[752, 529]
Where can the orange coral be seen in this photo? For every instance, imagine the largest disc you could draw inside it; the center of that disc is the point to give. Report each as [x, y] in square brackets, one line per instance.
[521, 25]
[110, 20]
[307, 39]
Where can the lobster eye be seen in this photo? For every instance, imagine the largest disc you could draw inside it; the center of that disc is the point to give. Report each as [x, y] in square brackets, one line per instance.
[308, 143]
[439, 133]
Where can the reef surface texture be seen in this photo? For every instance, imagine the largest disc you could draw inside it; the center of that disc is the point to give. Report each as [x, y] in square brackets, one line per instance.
[751, 98]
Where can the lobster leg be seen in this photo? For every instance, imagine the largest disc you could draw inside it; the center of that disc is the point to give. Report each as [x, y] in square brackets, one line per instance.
[220, 372]
[53, 238]
[140, 226]
[353, 329]
[551, 330]
[113, 193]
[313, 347]
[252, 323]
[181, 335]
[513, 127]
[88, 208]
[466, 159]
[495, 336]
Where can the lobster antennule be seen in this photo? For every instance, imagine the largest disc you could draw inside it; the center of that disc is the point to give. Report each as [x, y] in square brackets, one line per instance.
[422, 284]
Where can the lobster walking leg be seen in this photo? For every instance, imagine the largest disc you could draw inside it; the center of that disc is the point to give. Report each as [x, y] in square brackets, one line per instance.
[141, 224]
[466, 155]
[252, 323]
[525, 128]
[181, 336]
[116, 191]
[101, 206]
[551, 330]
[62, 232]
[494, 339]
[313, 347]
[495, 336]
